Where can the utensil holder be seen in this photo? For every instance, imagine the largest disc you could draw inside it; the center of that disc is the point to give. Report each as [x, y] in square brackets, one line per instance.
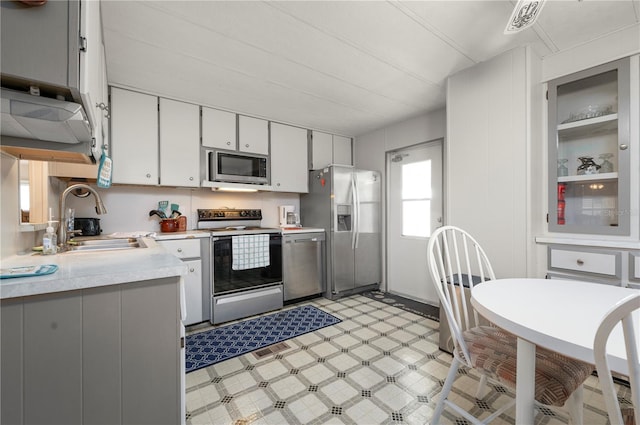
[169, 225]
[182, 223]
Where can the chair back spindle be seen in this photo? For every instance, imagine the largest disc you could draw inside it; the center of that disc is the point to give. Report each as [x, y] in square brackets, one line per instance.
[622, 313]
[457, 261]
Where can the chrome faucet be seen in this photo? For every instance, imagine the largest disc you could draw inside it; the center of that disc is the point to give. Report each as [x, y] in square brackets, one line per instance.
[100, 208]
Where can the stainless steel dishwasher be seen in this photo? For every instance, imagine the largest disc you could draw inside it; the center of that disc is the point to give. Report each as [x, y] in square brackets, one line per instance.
[303, 265]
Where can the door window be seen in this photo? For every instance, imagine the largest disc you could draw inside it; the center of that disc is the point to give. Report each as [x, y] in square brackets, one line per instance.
[416, 199]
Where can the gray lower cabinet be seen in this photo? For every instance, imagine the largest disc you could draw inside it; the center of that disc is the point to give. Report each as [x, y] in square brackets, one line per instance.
[107, 355]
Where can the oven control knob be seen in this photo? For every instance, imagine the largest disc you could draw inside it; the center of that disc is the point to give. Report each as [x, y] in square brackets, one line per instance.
[243, 213]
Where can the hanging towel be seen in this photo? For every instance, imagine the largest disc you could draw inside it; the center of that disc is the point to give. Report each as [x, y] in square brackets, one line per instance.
[250, 251]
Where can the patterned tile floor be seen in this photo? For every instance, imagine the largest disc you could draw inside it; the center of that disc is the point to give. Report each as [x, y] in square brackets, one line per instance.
[380, 365]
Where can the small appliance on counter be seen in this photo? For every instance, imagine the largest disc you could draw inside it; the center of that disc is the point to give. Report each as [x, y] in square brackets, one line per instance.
[288, 216]
[88, 226]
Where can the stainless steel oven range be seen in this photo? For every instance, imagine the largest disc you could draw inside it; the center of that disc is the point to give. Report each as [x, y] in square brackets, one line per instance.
[246, 263]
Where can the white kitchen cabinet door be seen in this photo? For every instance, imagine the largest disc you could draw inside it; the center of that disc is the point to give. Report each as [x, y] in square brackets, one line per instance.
[288, 159]
[253, 135]
[193, 292]
[342, 150]
[134, 137]
[179, 143]
[321, 150]
[91, 66]
[219, 129]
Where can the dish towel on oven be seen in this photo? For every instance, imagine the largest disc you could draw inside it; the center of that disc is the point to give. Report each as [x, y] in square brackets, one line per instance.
[249, 251]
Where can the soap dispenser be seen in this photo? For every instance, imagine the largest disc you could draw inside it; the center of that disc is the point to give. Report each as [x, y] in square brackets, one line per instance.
[50, 238]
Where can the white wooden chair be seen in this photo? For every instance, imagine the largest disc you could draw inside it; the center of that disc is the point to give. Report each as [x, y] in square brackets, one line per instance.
[454, 258]
[620, 313]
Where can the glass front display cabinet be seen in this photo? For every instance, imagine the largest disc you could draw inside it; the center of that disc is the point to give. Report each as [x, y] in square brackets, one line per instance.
[589, 151]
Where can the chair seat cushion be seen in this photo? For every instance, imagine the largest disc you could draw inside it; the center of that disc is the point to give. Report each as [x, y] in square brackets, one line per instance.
[493, 352]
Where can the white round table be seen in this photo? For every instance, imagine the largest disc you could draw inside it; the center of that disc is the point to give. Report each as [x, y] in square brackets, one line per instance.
[562, 315]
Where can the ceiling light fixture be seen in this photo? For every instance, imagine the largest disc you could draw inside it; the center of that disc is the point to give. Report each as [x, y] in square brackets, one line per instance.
[524, 15]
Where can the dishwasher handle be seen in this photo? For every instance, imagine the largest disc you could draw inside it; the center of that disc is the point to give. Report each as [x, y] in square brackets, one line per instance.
[305, 238]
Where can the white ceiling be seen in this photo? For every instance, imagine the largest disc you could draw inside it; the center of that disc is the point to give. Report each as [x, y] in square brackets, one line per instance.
[346, 67]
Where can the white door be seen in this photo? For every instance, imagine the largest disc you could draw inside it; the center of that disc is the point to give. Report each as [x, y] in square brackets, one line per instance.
[414, 205]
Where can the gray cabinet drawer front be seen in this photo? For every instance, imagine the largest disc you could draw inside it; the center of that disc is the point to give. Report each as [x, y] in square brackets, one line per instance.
[607, 263]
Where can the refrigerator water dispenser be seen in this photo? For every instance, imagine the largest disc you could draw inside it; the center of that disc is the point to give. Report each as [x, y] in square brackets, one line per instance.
[344, 218]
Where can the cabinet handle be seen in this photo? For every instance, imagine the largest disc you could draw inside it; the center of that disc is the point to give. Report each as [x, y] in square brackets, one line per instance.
[191, 270]
[179, 249]
[277, 184]
[191, 178]
[624, 147]
[228, 143]
[148, 175]
[580, 262]
[247, 145]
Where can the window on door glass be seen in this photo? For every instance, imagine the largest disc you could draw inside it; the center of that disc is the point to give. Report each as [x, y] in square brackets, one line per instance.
[416, 199]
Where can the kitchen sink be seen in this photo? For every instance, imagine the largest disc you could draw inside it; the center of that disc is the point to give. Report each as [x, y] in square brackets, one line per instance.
[90, 245]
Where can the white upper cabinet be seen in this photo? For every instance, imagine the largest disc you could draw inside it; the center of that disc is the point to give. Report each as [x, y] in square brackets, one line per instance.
[342, 150]
[321, 150]
[179, 143]
[253, 135]
[134, 137]
[289, 159]
[219, 129]
[329, 149]
[92, 64]
[589, 151]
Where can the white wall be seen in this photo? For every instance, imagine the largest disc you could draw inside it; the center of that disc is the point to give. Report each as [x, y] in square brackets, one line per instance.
[370, 150]
[128, 206]
[490, 169]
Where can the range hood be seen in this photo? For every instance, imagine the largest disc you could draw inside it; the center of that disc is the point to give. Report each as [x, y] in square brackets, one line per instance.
[44, 129]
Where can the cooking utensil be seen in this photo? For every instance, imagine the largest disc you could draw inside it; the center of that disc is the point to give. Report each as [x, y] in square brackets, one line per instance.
[175, 214]
[162, 206]
[175, 207]
[159, 213]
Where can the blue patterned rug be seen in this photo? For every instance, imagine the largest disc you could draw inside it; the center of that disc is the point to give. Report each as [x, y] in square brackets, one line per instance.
[207, 348]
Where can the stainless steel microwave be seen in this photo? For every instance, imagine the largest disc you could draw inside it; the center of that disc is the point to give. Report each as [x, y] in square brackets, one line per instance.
[238, 167]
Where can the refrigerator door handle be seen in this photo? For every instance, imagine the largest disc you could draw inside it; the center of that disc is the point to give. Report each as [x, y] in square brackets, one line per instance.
[356, 212]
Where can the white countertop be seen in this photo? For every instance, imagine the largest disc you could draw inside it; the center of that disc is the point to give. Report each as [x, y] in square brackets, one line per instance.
[82, 270]
[289, 230]
[189, 234]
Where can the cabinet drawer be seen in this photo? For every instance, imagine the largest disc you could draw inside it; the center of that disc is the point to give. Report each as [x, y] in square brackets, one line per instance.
[603, 262]
[183, 248]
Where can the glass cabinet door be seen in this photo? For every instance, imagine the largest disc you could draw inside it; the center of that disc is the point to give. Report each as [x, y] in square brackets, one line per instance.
[589, 151]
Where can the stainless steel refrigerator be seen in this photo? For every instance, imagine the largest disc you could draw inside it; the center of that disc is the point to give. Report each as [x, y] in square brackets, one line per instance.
[346, 203]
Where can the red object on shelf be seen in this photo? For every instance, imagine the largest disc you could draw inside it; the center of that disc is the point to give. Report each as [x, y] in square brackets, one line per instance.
[562, 187]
